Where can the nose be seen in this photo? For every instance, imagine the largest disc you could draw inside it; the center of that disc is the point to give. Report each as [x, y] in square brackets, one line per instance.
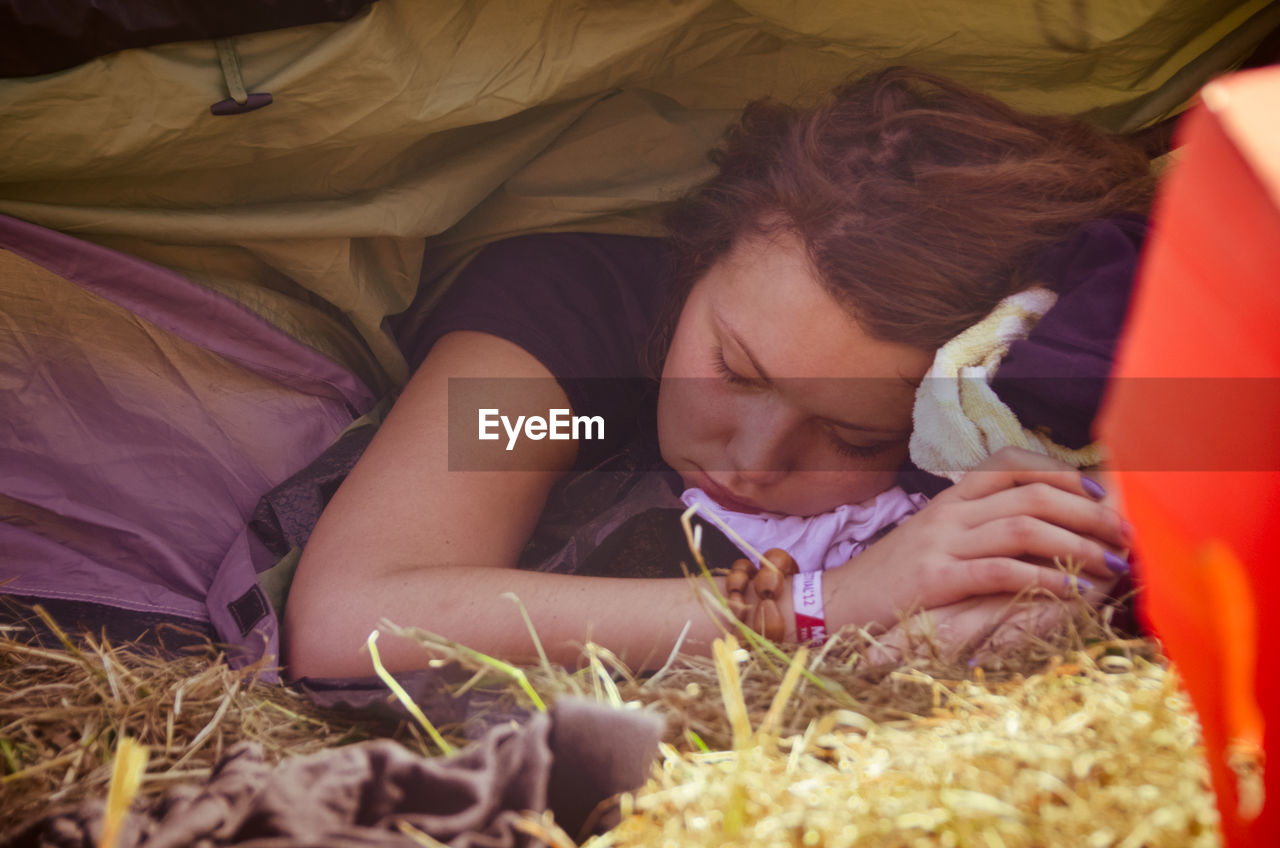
[760, 449]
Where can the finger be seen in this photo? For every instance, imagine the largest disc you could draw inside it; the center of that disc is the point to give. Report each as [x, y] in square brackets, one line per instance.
[1082, 515]
[1023, 621]
[914, 637]
[890, 649]
[1015, 467]
[1023, 536]
[1112, 500]
[943, 632]
[985, 627]
[994, 575]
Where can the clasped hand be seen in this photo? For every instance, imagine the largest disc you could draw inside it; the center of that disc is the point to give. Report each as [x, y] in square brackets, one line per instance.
[1017, 522]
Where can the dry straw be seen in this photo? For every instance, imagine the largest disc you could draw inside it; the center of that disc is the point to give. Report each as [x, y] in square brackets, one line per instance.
[1082, 739]
[1084, 753]
[66, 712]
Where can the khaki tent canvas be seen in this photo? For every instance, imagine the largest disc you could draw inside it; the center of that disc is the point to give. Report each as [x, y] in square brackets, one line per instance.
[197, 290]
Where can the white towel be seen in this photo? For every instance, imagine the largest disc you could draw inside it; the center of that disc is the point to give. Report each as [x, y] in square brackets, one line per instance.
[958, 420]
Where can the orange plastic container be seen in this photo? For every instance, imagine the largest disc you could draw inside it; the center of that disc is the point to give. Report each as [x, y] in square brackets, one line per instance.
[1192, 420]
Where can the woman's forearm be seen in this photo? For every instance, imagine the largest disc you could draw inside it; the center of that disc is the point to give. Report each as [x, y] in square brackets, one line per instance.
[638, 619]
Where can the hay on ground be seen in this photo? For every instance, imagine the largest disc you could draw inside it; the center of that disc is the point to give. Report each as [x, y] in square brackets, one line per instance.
[64, 711]
[1082, 739]
[1073, 756]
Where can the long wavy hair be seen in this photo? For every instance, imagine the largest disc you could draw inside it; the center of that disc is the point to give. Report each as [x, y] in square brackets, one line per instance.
[921, 203]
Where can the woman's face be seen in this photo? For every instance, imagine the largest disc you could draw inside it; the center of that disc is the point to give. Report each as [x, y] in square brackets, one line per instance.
[773, 399]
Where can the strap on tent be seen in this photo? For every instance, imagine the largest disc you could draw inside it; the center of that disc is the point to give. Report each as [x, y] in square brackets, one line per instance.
[241, 100]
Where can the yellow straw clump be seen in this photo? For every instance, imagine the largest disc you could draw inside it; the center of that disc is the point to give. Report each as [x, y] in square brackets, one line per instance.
[1075, 756]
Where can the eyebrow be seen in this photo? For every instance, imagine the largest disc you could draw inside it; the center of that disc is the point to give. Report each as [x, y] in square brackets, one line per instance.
[764, 375]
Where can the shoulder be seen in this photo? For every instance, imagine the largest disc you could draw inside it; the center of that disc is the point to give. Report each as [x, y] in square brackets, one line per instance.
[575, 300]
[565, 251]
[549, 270]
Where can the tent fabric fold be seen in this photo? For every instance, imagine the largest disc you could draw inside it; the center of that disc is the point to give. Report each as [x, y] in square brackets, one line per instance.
[144, 418]
[39, 37]
[463, 122]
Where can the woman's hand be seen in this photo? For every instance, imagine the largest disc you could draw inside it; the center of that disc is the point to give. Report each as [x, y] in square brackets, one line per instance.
[983, 626]
[999, 531]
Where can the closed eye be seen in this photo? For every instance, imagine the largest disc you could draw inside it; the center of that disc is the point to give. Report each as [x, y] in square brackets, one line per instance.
[841, 447]
[726, 373]
[858, 451]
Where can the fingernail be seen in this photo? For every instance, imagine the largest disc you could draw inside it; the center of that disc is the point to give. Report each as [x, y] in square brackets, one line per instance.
[1115, 562]
[1092, 488]
[1078, 583]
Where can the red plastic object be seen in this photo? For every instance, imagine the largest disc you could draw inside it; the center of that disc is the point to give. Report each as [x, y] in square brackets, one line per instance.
[1192, 420]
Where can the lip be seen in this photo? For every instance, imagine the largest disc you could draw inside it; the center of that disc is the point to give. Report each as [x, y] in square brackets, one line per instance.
[722, 496]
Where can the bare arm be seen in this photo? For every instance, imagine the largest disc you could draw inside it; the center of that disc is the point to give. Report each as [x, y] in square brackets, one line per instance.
[409, 540]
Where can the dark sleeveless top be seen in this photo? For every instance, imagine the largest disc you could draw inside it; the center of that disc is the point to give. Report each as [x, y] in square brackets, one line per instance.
[585, 306]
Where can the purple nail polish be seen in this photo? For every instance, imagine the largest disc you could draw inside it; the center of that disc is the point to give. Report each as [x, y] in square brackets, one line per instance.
[1115, 563]
[1092, 488]
[1078, 582]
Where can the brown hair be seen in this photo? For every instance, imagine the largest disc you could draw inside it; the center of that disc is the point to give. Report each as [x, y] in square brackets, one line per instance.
[922, 204]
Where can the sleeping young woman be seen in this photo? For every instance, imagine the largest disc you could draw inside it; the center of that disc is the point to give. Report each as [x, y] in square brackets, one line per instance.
[762, 360]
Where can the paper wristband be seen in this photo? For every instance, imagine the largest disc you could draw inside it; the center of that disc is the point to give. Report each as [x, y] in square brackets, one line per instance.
[811, 623]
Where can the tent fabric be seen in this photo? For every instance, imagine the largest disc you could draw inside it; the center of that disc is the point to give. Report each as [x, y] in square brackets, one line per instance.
[194, 307]
[144, 417]
[41, 36]
[468, 121]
